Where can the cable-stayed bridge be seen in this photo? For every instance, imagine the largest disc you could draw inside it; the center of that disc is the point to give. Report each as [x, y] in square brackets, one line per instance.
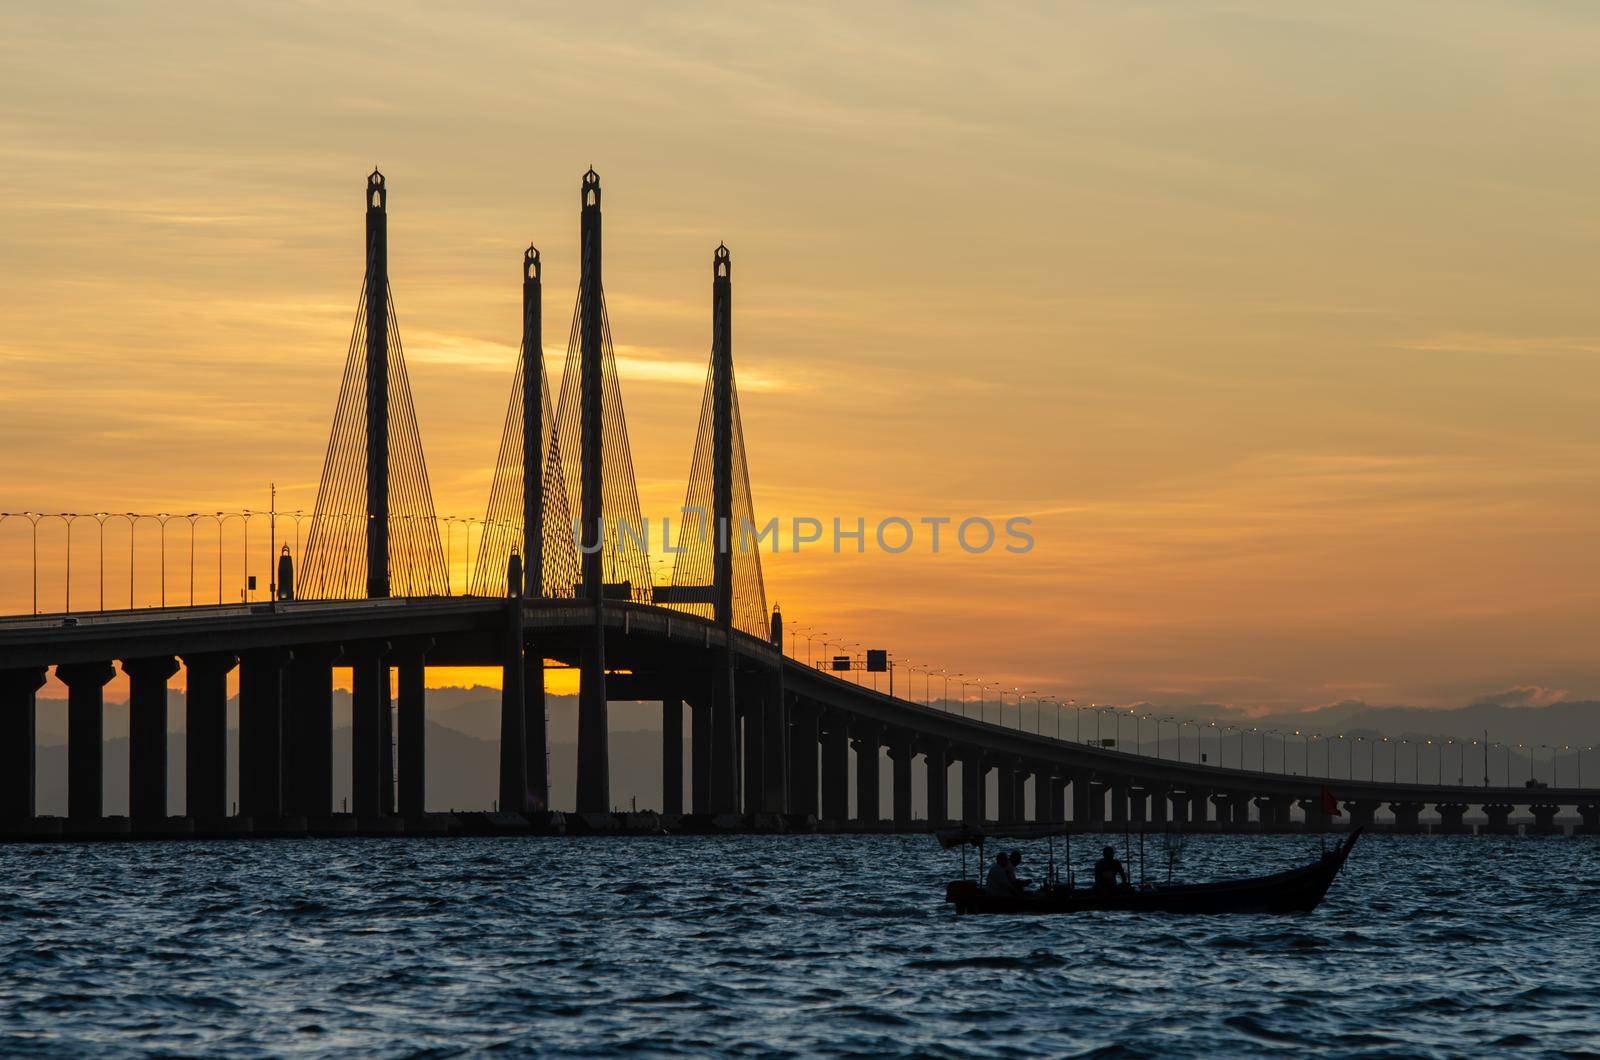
[561, 572]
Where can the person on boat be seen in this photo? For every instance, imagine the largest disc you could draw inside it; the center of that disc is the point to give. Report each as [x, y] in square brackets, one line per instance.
[1001, 883]
[1017, 882]
[1109, 875]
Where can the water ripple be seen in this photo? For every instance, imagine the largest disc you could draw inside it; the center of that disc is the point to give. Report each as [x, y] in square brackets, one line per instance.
[683, 946]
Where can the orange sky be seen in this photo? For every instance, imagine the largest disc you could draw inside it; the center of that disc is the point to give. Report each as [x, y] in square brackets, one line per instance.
[1278, 320]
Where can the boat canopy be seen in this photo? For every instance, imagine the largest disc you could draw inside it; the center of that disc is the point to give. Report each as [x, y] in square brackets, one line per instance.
[967, 835]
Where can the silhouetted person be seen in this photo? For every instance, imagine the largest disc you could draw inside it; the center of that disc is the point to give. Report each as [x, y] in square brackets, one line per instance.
[1020, 885]
[1001, 883]
[1109, 875]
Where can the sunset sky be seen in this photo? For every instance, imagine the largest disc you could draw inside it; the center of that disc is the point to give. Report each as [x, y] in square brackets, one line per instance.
[1278, 320]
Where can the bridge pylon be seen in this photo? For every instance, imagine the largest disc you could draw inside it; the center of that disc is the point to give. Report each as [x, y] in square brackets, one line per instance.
[374, 532]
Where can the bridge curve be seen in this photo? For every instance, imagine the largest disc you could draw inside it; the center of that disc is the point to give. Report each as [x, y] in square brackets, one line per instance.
[806, 739]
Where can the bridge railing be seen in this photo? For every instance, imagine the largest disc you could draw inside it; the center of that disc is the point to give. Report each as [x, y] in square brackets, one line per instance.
[85, 562]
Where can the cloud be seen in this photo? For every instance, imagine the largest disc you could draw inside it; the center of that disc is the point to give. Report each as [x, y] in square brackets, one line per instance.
[1524, 696]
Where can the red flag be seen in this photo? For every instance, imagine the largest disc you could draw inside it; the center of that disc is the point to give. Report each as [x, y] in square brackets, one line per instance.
[1330, 805]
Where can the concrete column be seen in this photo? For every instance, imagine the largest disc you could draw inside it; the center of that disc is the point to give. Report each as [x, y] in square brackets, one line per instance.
[1499, 815]
[513, 713]
[1087, 806]
[973, 768]
[1158, 804]
[1005, 790]
[754, 745]
[1177, 805]
[1055, 795]
[369, 678]
[206, 743]
[386, 763]
[86, 683]
[672, 754]
[147, 735]
[835, 768]
[536, 729]
[1019, 798]
[700, 754]
[1405, 816]
[1589, 813]
[1361, 811]
[1544, 819]
[724, 735]
[1452, 818]
[900, 755]
[413, 724]
[867, 738]
[803, 740]
[774, 743]
[1137, 798]
[18, 741]
[261, 733]
[1199, 807]
[936, 754]
[308, 732]
[1229, 810]
[1119, 803]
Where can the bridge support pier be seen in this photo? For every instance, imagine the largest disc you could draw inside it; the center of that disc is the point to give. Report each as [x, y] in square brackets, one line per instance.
[1178, 807]
[804, 736]
[1137, 815]
[413, 728]
[86, 683]
[1544, 819]
[1088, 808]
[206, 745]
[369, 702]
[754, 755]
[1157, 804]
[835, 769]
[261, 733]
[1199, 808]
[1362, 811]
[1451, 818]
[513, 711]
[1499, 815]
[1316, 820]
[1005, 791]
[774, 744]
[147, 736]
[936, 756]
[672, 754]
[700, 752]
[900, 756]
[308, 735]
[18, 741]
[1406, 816]
[1274, 812]
[1590, 814]
[868, 737]
[973, 768]
[535, 728]
[724, 736]
[1055, 795]
[1233, 811]
[1119, 804]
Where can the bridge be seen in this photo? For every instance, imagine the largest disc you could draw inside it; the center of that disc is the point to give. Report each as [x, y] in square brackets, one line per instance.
[563, 575]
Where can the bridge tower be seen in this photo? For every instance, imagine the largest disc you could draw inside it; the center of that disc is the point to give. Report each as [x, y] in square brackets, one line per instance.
[377, 403]
[594, 776]
[535, 441]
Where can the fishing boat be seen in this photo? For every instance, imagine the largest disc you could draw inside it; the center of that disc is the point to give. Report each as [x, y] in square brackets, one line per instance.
[1297, 890]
